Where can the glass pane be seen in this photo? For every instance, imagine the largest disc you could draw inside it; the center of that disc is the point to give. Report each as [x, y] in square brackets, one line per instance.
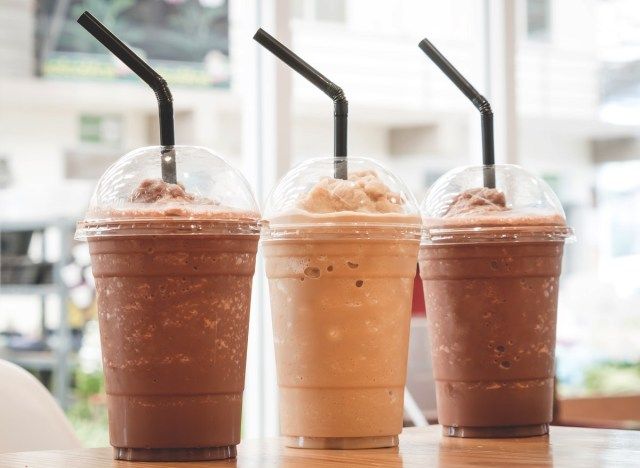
[577, 101]
[330, 10]
[298, 8]
[72, 109]
[187, 42]
[538, 19]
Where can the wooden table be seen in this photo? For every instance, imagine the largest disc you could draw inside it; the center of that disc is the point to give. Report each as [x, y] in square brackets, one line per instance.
[571, 447]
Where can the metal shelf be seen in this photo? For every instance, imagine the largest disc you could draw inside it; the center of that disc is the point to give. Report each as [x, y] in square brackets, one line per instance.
[29, 289]
[9, 225]
[62, 360]
[35, 360]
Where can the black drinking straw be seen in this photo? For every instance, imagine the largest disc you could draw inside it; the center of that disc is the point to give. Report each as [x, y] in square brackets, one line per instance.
[341, 106]
[149, 76]
[481, 103]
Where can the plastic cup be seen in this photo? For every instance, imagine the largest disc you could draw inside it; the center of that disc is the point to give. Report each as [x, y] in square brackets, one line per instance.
[341, 281]
[490, 276]
[173, 275]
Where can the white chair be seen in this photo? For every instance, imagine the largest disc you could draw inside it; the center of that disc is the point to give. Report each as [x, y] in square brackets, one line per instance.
[413, 411]
[30, 419]
[420, 393]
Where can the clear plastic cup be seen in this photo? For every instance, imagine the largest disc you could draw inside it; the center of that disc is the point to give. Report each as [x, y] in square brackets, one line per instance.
[173, 266]
[490, 262]
[340, 257]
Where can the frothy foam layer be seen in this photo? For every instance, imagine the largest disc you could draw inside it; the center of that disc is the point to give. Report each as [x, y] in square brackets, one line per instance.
[487, 207]
[363, 192]
[156, 199]
[159, 191]
[477, 201]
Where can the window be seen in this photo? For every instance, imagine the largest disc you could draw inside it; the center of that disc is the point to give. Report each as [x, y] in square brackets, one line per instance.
[330, 11]
[538, 19]
[186, 42]
[101, 129]
[577, 105]
[326, 11]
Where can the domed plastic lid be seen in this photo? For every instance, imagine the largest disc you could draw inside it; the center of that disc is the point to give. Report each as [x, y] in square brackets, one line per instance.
[309, 197]
[211, 197]
[522, 207]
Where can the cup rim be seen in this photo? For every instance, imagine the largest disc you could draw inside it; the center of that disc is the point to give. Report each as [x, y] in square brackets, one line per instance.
[90, 229]
[353, 230]
[488, 234]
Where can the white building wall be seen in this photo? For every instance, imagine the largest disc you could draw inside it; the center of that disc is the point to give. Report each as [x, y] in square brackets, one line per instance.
[17, 23]
[27, 136]
[558, 78]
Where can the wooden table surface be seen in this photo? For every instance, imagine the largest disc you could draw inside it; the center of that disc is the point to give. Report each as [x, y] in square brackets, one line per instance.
[425, 447]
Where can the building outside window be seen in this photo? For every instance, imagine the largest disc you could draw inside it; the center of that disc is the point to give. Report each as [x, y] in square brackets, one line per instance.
[538, 19]
[327, 11]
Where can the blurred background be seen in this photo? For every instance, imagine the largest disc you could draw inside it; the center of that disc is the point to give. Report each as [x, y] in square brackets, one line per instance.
[563, 78]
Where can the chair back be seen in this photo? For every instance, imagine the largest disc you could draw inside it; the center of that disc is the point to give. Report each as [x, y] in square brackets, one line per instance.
[30, 419]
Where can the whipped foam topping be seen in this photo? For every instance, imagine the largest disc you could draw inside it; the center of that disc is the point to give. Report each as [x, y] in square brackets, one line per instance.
[477, 201]
[157, 199]
[159, 191]
[484, 207]
[363, 192]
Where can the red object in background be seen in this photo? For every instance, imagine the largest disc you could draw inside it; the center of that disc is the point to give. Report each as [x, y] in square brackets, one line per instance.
[417, 308]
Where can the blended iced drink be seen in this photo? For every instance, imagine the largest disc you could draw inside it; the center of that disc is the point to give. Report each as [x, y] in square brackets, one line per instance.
[173, 268]
[340, 256]
[490, 264]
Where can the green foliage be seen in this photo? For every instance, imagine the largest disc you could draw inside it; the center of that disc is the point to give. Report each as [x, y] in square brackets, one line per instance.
[197, 26]
[90, 423]
[613, 378]
[165, 31]
[109, 13]
[88, 415]
[88, 385]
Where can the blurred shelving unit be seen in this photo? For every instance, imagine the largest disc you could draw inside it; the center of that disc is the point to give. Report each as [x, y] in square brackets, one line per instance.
[60, 359]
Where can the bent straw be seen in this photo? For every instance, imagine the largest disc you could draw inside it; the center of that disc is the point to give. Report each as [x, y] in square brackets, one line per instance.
[341, 106]
[149, 76]
[481, 103]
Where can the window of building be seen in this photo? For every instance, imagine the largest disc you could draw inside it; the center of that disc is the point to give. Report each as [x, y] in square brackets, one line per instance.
[538, 19]
[326, 11]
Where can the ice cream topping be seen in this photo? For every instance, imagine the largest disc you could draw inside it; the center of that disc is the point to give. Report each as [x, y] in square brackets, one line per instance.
[363, 192]
[477, 201]
[159, 191]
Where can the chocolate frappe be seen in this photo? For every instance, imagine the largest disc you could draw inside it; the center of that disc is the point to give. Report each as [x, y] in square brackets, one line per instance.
[173, 275]
[490, 276]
